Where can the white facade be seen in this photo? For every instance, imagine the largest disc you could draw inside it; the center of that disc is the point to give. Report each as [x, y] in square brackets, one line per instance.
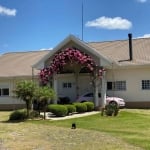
[133, 78]
[67, 86]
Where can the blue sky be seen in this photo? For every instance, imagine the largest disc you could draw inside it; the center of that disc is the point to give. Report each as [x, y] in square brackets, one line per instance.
[41, 24]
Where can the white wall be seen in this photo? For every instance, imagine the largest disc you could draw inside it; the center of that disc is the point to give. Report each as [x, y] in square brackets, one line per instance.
[133, 78]
[83, 82]
[10, 83]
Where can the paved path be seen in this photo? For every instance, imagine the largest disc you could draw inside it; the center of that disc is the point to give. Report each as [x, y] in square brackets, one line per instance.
[52, 117]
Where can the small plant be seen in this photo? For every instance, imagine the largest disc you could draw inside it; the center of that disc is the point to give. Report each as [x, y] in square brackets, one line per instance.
[34, 114]
[111, 110]
[90, 106]
[18, 115]
[80, 107]
[71, 108]
[58, 110]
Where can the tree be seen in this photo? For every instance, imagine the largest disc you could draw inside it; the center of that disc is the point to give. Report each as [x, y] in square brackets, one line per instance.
[43, 95]
[25, 91]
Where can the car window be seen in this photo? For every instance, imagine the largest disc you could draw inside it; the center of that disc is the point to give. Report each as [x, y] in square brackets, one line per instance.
[88, 95]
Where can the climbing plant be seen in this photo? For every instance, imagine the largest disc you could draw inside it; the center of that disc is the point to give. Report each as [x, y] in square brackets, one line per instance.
[68, 56]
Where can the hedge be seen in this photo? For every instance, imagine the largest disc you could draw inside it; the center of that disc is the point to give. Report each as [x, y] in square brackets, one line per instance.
[58, 110]
[80, 107]
[90, 106]
[71, 108]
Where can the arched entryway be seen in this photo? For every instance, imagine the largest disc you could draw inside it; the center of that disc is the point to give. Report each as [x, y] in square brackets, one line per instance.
[75, 62]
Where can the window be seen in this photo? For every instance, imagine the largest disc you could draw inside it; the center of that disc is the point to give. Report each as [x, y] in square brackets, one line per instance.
[67, 85]
[4, 92]
[109, 85]
[120, 85]
[145, 84]
[116, 86]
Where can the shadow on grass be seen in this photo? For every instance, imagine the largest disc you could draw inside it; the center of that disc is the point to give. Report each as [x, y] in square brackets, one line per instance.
[12, 121]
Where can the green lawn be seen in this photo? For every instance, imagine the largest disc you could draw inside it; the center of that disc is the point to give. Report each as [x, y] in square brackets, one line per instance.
[133, 126]
[129, 130]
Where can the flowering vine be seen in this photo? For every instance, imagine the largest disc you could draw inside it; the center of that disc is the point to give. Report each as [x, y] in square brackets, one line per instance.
[62, 58]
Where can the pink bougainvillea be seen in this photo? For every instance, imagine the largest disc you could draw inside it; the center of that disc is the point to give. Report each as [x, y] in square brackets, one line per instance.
[62, 58]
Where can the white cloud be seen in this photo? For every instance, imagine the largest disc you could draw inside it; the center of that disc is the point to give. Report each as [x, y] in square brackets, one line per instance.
[142, 1]
[7, 11]
[42, 49]
[110, 23]
[144, 36]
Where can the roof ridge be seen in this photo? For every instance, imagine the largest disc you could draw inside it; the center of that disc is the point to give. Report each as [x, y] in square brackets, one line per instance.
[142, 38]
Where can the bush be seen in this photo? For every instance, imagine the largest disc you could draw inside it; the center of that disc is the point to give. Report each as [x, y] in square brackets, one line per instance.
[71, 108]
[111, 110]
[58, 110]
[80, 107]
[34, 114]
[90, 106]
[18, 115]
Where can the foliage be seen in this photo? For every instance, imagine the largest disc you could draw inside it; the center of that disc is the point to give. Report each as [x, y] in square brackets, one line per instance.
[34, 114]
[58, 110]
[43, 95]
[71, 108]
[64, 57]
[111, 110]
[90, 106]
[25, 91]
[18, 115]
[80, 107]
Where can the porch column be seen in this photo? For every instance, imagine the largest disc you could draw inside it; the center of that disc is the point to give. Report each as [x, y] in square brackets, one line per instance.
[55, 87]
[96, 87]
[96, 98]
[103, 91]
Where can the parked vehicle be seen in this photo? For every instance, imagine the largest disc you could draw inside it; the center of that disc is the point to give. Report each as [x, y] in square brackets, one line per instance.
[109, 100]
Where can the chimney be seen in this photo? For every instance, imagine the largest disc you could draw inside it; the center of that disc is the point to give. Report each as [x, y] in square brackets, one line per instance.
[130, 47]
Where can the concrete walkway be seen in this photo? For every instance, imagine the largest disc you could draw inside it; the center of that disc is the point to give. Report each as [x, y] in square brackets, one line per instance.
[52, 117]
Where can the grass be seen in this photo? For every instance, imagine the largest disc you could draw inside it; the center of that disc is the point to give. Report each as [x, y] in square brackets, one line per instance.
[129, 130]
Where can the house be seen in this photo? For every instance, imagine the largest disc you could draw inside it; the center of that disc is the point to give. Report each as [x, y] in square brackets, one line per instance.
[127, 65]
[14, 67]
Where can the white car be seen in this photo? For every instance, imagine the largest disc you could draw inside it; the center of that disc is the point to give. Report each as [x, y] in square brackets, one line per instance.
[113, 100]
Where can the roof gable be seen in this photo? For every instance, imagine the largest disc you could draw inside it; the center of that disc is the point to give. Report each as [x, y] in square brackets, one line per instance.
[72, 39]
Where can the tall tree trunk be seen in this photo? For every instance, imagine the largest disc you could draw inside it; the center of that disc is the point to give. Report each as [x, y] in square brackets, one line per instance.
[28, 109]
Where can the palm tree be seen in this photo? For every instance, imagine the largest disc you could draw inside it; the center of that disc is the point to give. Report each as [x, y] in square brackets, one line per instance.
[44, 95]
[25, 91]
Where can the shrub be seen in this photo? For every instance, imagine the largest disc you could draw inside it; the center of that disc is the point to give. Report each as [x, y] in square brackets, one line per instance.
[34, 114]
[58, 110]
[90, 106]
[111, 110]
[71, 108]
[18, 115]
[80, 107]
